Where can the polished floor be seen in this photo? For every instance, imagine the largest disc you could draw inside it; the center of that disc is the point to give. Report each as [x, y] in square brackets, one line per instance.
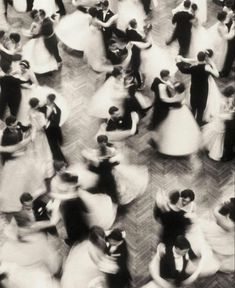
[210, 180]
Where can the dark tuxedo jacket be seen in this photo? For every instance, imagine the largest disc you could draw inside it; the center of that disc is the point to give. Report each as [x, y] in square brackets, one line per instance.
[133, 35]
[182, 19]
[115, 124]
[54, 117]
[108, 15]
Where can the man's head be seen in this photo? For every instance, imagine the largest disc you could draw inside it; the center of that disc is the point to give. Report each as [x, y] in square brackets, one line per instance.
[11, 121]
[181, 245]
[116, 236]
[133, 23]
[42, 14]
[187, 196]
[229, 91]
[15, 37]
[201, 56]
[187, 4]
[114, 112]
[51, 99]
[105, 5]
[221, 16]
[102, 140]
[26, 200]
[165, 75]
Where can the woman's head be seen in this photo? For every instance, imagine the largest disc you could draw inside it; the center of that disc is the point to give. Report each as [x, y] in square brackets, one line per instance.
[97, 237]
[187, 196]
[24, 65]
[60, 166]
[102, 140]
[93, 12]
[15, 37]
[179, 87]
[34, 103]
[34, 15]
[69, 178]
[221, 16]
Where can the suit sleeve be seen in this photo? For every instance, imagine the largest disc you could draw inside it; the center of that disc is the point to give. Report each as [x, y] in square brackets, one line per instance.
[184, 68]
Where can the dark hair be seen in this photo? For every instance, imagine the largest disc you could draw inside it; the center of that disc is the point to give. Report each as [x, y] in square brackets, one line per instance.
[102, 138]
[58, 165]
[179, 87]
[42, 12]
[25, 63]
[209, 53]
[229, 209]
[133, 23]
[201, 56]
[105, 3]
[96, 233]
[187, 193]
[164, 73]
[229, 91]
[51, 97]
[194, 7]
[69, 178]
[174, 197]
[221, 16]
[10, 120]
[2, 33]
[116, 71]
[15, 36]
[182, 243]
[92, 11]
[25, 197]
[33, 13]
[116, 235]
[228, 3]
[33, 102]
[112, 110]
[187, 3]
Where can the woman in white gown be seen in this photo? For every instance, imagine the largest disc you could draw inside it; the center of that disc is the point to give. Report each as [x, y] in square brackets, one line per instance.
[19, 174]
[219, 232]
[35, 51]
[111, 93]
[126, 181]
[218, 39]
[128, 10]
[178, 134]
[94, 50]
[40, 148]
[73, 28]
[28, 258]
[81, 268]
[213, 133]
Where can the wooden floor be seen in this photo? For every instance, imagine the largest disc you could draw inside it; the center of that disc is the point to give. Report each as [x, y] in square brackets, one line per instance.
[210, 180]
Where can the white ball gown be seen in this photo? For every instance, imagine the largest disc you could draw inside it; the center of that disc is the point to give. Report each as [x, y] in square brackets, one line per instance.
[29, 263]
[80, 269]
[221, 241]
[20, 174]
[35, 51]
[178, 134]
[111, 93]
[20, 5]
[128, 10]
[49, 6]
[153, 55]
[213, 133]
[72, 29]
[39, 148]
[218, 43]
[3, 23]
[94, 50]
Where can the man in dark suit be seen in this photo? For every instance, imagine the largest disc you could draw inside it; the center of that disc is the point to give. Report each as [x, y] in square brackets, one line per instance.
[10, 92]
[116, 121]
[157, 104]
[12, 134]
[50, 39]
[199, 82]
[182, 33]
[53, 131]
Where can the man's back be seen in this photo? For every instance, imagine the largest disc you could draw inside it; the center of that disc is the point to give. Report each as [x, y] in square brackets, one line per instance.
[183, 20]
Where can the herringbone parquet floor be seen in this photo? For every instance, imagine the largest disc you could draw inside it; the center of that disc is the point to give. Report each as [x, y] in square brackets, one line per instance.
[210, 181]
